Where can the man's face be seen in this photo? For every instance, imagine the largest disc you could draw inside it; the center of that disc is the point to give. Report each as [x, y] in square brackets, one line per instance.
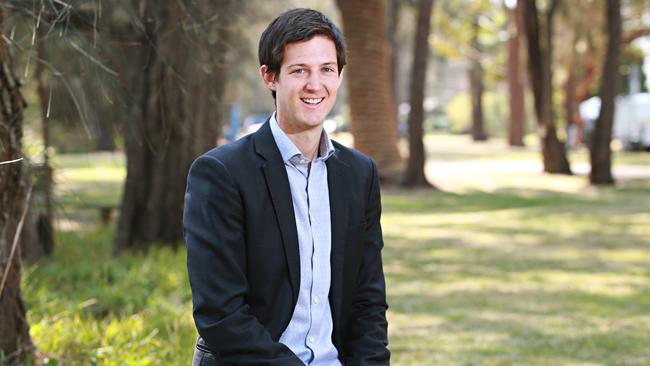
[306, 85]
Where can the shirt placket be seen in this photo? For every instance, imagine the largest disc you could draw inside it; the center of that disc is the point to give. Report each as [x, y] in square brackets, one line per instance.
[313, 296]
[301, 166]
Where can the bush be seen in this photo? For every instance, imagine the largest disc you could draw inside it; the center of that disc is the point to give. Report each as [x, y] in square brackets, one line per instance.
[89, 307]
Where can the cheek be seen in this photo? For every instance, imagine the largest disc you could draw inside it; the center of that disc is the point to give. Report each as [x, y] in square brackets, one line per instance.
[333, 85]
[333, 89]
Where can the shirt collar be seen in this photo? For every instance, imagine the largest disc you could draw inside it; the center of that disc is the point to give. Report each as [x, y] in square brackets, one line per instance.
[288, 149]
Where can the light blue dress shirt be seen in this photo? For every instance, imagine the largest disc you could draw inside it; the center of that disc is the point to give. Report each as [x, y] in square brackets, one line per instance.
[309, 333]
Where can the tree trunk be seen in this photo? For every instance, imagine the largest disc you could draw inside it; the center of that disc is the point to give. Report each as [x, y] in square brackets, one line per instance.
[176, 115]
[391, 34]
[583, 89]
[570, 109]
[15, 341]
[515, 79]
[372, 107]
[45, 219]
[414, 175]
[601, 153]
[539, 67]
[476, 85]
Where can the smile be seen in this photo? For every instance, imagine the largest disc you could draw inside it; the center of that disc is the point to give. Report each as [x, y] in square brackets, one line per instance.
[312, 101]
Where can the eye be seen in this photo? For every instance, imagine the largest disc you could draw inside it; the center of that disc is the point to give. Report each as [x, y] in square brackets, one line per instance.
[298, 71]
[328, 69]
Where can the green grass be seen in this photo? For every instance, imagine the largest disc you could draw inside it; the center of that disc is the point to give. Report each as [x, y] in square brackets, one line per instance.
[504, 270]
[503, 279]
[83, 179]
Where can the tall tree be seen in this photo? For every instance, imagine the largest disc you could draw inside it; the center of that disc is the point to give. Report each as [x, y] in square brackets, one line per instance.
[15, 342]
[600, 152]
[515, 77]
[45, 223]
[414, 175]
[175, 114]
[372, 108]
[476, 84]
[468, 30]
[539, 37]
[394, 11]
[590, 61]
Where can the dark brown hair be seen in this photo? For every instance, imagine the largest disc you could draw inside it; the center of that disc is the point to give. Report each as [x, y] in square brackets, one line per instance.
[297, 25]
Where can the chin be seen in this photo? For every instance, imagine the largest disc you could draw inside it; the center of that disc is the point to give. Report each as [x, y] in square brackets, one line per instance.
[314, 121]
[308, 125]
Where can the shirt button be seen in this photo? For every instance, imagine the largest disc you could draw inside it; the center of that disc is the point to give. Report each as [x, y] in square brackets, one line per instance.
[312, 339]
[316, 300]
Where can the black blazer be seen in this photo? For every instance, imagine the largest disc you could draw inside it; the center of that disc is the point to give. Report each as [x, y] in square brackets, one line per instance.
[243, 257]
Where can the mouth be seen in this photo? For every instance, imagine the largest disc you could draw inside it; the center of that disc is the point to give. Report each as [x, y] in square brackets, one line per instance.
[312, 101]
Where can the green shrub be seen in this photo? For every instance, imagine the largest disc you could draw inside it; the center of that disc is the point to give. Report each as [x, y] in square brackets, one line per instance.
[87, 307]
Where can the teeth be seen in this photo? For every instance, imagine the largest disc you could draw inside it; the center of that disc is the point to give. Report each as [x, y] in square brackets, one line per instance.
[312, 100]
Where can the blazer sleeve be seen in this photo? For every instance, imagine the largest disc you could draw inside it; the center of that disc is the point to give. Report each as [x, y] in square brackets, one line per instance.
[367, 339]
[213, 221]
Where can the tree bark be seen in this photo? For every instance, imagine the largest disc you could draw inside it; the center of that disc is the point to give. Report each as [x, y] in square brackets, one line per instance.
[476, 85]
[391, 33]
[592, 64]
[372, 107]
[570, 106]
[414, 175]
[45, 219]
[601, 153]
[515, 78]
[14, 329]
[176, 115]
[539, 41]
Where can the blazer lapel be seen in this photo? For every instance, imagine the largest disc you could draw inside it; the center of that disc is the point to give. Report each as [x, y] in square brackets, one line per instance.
[338, 180]
[277, 183]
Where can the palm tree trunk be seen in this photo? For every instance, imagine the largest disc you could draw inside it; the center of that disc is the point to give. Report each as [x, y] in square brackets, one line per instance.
[373, 123]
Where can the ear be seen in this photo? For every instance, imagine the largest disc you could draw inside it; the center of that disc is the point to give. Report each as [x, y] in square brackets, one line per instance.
[268, 77]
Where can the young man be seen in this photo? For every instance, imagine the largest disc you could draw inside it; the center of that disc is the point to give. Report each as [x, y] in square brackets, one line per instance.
[282, 226]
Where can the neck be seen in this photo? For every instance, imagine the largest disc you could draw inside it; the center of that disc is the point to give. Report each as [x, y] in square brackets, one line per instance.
[306, 141]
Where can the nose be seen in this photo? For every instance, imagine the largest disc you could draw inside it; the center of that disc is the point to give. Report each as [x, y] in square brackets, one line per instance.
[314, 82]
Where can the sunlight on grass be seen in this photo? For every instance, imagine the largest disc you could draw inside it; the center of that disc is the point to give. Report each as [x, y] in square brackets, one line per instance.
[92, 174]
[545, 277]
[87, 307]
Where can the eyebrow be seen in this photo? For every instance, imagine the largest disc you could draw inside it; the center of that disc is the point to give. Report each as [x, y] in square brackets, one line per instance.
[305, 65]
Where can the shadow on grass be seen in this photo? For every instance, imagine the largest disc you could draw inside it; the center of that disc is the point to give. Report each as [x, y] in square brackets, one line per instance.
[474, 201]
[519, 277]
[416, 202]
[540, 327]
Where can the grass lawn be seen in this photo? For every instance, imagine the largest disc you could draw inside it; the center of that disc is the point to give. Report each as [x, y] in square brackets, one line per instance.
[519, 278]
[505, 269]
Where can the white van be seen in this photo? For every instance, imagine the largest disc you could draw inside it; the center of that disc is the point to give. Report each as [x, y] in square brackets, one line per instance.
[631, 119]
